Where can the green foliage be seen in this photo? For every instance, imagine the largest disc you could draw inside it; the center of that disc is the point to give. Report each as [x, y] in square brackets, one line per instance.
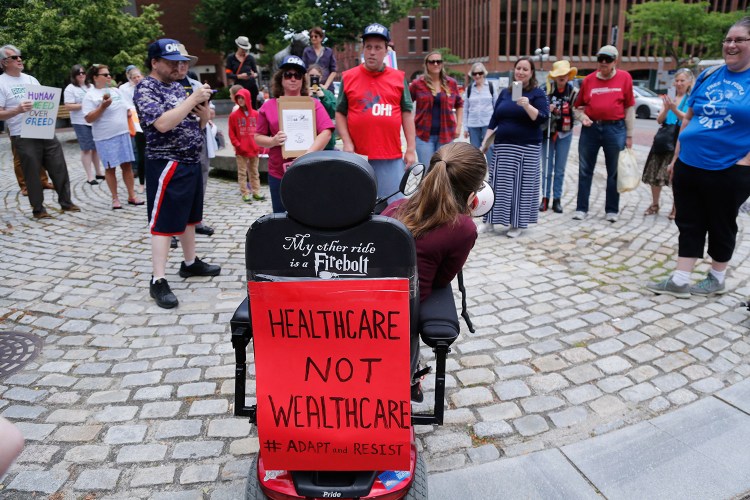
[262, 22]
[56, 34]
[448, 56]
[670, 24]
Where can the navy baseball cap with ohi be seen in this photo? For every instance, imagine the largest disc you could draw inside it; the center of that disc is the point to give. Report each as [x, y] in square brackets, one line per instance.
[293, 61]
[166, 48]
[376, 29]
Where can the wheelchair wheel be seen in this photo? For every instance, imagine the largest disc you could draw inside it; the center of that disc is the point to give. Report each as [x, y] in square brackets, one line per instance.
[252, 490]
[418, 490]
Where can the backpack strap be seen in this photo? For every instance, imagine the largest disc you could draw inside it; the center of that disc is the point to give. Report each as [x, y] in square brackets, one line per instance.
[468, 91]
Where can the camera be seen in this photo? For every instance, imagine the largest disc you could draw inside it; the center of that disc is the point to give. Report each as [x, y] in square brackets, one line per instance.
[314, 81]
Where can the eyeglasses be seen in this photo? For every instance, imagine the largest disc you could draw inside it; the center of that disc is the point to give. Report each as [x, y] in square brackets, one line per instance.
[605, 59]
[105, 75]
[479, 73]
[736, 41]
[288, 75]
[434, 61]
[15, 58]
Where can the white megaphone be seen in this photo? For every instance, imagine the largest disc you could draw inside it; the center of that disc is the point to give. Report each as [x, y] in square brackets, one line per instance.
[483, 201]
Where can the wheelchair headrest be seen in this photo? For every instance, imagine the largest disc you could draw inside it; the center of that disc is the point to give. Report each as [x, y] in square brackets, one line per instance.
[329, 189]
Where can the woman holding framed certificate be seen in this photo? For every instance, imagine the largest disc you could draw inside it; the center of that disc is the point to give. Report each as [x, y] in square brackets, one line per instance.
[291, 124]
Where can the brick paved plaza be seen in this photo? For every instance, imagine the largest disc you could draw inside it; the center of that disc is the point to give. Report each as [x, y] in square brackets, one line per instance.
[127, 400]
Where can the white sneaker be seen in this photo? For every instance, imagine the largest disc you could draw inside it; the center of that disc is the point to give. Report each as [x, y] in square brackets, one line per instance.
[579, 215]
[611, 217]
[514, 232]
[485, 227]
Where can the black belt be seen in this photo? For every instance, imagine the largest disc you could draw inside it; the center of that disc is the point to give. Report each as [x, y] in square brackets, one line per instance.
[607, 122]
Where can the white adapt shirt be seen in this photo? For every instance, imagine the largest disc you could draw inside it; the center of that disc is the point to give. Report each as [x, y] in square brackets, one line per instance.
[74, 94]
[114, 120]
[12, 93]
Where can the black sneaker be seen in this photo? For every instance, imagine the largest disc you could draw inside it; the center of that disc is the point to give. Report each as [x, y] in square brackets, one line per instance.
[199, 268]
[203, 229]
[173, 243]
[162, 294]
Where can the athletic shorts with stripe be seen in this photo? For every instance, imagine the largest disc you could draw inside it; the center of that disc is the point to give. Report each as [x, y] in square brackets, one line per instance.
[174, 196]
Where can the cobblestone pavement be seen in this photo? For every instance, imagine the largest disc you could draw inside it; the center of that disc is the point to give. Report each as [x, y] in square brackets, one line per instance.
[128, 400]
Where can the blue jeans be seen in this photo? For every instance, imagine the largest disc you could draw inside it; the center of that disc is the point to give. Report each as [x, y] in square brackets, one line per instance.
[555, 164]
[388, 174]
[425, 149]
[274, 185]
[476, 136]
[611, 138]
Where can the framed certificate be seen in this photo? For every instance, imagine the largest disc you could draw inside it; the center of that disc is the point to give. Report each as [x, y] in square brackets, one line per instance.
[297, 120]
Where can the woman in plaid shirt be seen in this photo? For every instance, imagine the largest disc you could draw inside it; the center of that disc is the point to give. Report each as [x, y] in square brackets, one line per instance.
[439, 107]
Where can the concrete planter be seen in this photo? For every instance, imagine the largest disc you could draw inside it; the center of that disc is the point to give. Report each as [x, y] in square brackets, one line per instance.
[223, 106]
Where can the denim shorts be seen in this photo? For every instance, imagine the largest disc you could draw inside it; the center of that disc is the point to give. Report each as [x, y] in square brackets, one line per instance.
[85, 137]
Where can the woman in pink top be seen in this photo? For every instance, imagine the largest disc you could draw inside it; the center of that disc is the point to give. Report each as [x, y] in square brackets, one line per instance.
[289, 80]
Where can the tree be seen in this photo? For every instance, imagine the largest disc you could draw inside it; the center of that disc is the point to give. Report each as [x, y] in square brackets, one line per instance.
[679, 30]
[224, 20]
[56, 34]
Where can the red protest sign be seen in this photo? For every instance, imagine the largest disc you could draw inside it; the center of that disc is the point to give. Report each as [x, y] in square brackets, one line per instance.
[332, 373]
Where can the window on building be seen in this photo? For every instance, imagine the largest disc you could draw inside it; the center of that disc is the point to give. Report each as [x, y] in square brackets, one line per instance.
[425, 23]
[412, 45]
[425, 44]
[412, 23]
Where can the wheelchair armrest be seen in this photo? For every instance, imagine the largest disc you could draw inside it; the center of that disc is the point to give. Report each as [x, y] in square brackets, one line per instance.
[438, 319]
[241, 319]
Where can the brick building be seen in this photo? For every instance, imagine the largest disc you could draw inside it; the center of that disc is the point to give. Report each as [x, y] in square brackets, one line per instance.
[495, 32]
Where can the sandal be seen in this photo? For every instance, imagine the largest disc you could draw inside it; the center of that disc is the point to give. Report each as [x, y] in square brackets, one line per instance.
[116, 205]
[135, 201]
[672, 214]
[652, 210]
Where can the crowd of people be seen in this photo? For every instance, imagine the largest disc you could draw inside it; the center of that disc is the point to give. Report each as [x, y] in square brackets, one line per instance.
[524, 131]
[162, 125]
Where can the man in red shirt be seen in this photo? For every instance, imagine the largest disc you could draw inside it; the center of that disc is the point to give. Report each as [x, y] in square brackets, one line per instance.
[605, 109]
[374, 105]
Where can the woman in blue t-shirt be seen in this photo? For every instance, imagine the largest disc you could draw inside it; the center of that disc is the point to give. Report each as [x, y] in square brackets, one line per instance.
[710, 176]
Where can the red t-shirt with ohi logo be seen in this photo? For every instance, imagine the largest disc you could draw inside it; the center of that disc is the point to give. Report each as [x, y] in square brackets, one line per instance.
[374, 111]
[606, 99]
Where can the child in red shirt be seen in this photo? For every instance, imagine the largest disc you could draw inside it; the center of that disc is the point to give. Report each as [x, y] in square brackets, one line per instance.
[242, 124]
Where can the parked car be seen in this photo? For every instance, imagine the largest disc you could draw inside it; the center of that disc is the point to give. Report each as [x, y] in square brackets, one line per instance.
[647, 103]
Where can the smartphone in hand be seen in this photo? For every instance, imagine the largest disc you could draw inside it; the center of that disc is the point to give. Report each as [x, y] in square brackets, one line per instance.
[517, 90]
[671, 93]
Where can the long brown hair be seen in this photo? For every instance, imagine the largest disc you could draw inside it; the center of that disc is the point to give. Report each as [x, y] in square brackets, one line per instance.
[443, 76]
[456, 170]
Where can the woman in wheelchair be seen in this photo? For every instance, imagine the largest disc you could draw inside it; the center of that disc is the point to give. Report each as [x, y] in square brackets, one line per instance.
[438, 215]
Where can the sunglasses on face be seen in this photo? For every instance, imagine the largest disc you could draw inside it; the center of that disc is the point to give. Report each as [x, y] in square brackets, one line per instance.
[79, 73]
[288, 75]
[106, 75]
[477, 74]
[15, 58]
[435, 61]
[605, 59]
